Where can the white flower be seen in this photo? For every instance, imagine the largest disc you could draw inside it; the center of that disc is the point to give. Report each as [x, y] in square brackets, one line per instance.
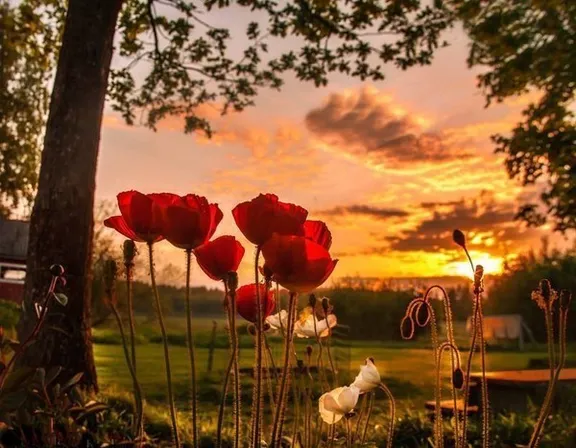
[304, 328]
[278, 320]
[368, 378]
[337, 403]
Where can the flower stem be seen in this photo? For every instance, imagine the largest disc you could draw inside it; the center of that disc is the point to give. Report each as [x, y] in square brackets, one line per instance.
[281, 401]
[484, 385]
[392, 421]
[131, 323]
[35, 331]
[190, 340]
[546, 405]
[228, 371]
[348, 432]
[257, 395]
[368, 414]
[137, 389]
[237, 394]
[165, 344]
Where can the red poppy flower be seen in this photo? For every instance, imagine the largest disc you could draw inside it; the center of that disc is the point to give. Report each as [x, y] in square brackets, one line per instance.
[264, 215]
[141, 218]
[220, 256]
[318, 232]
[246, 302]
[190, 221]
[298, 263]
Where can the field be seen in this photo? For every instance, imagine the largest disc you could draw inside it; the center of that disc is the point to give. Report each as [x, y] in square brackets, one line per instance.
[407, 367]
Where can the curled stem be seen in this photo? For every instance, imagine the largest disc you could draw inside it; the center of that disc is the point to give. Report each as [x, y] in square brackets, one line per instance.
[165, 344]
[392, 422]
[368, 414]
[228, 372]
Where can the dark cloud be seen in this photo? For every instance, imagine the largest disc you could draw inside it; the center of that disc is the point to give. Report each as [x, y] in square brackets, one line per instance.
[367, 210]
[435, 205]
[490, 218]
[365, 125]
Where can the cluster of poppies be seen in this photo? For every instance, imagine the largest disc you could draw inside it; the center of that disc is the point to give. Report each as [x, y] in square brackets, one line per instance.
[295, 250]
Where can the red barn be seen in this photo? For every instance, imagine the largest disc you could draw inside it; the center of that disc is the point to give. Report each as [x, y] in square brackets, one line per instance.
[13, 250]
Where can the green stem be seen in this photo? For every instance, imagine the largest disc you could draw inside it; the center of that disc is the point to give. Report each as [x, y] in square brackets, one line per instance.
[132, 325]
[137, 389]
[348, 433]
[467, 375]
[228, 372]
[392, 422]
[547, 404]
[257, 405]
[191, 357]
[165, 344]
[281, 401]
[368, 414]
[484, 385]
[237, 392]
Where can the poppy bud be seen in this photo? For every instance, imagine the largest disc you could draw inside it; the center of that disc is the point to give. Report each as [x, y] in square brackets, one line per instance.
[312, 300]
[129, 251]
[479, 279]
[565, 299]
[326, 305]
[546, 289]
[459, 238]
[458, 378]
[407, 327]
[300, 365]
[309, 350]
[57, 270]
[232, 281]
[251, 329]
[422, 314]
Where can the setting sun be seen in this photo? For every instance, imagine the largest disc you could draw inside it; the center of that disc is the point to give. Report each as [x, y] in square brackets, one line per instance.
[492, 265]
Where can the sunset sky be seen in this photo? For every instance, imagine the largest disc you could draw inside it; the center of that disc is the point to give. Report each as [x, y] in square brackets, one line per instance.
[392, 167]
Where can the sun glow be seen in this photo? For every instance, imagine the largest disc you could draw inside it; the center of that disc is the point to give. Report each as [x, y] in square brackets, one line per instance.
[492, 265]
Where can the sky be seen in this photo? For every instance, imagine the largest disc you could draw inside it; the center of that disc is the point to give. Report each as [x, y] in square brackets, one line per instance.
[392, 167]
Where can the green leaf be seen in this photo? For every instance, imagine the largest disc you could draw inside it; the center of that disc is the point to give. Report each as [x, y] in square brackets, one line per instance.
[90, 410]
[16, 377]
[72, 381]
[52, 374]
[41, 376]
[61, 298]
[13, 400]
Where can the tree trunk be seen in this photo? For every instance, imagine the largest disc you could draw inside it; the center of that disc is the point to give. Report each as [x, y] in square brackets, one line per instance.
[61, 225]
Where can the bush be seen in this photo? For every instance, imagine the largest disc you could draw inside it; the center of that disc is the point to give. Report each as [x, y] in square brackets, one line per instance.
[9, 314]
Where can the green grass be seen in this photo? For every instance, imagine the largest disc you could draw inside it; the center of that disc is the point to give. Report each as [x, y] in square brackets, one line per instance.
[408, 371]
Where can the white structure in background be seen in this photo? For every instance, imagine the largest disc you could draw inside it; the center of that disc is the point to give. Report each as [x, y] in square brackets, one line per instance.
[504, 327]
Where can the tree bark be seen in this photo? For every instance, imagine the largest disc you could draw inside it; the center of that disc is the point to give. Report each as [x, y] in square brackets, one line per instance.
[61, 225]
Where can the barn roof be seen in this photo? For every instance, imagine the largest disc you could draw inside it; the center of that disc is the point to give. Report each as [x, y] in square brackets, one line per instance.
[14, 239]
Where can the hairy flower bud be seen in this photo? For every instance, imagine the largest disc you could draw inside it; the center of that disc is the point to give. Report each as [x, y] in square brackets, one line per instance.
[232, 281]
[309, 350]
[546, 289]
[57, 270]
[565, 299]
[459, 238]
[312, 300]
[129, 251]
[479, 279]
[251, 329]
[458, 378]
[301, 366]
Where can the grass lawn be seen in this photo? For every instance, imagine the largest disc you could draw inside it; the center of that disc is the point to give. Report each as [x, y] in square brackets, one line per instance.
[408, 371]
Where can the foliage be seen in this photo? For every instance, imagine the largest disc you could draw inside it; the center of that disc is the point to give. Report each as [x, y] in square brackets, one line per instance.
[9, 314]
[191, 61]
[510, 293]
[528, 46]
[37, 409]
[29, 34]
